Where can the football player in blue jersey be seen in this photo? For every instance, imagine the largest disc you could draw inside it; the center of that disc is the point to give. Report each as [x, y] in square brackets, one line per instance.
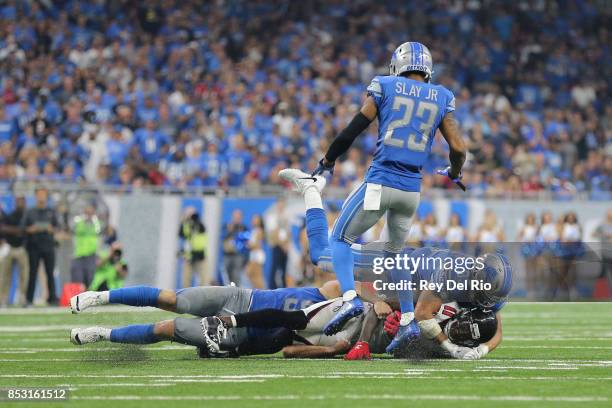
[409, 109]
[201, 302]
[452, 284]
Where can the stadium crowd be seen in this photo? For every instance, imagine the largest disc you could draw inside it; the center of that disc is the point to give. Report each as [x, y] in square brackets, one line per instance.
[225, 93]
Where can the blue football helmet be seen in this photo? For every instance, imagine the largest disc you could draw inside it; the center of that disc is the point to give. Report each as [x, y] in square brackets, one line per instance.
[411, 56]
[497, 272]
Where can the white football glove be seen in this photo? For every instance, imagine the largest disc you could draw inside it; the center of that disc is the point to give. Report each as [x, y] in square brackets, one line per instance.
[476, 353]
[455, 351]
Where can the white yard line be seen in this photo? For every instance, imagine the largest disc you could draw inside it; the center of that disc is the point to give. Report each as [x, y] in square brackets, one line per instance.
[77, 349]
[155, 379]
[397, 397]
[66, 311]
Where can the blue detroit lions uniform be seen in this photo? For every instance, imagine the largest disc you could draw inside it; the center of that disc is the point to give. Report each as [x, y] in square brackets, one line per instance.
[281, 299]
[364, 263]
[409, 113]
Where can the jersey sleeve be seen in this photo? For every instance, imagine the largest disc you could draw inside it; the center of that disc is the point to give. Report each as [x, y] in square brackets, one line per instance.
[450, 102]
[375, 90]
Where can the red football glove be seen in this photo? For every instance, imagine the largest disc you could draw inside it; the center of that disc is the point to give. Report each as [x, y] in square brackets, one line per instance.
[360, 351]
[392, 324]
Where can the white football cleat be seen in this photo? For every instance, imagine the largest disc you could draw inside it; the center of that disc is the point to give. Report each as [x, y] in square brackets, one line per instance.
[88, 335]
[301, 180]
[85, 300]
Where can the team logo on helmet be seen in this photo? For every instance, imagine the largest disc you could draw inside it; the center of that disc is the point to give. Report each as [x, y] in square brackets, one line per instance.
[497, 273]
[411, 56]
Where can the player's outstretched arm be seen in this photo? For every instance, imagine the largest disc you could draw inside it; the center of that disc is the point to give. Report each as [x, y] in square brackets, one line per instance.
[306, 351]
[429, 303]
[485, 348]
[347, 136]
[450, 130]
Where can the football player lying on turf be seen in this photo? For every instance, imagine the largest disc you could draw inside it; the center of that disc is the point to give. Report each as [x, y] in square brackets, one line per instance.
[494, 278]
[307, 325]
[464, 327]
[379, 325]
[204, 302]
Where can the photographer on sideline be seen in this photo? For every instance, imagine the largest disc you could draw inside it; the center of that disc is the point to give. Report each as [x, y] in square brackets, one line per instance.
[195, 243]
[111, 269]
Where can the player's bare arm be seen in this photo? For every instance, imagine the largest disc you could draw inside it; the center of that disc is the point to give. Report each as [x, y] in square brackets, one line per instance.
[307, 351]
[451, 133]
[497, 338]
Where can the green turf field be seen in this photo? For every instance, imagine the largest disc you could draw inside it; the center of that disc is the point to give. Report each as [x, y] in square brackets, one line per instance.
[553, 355]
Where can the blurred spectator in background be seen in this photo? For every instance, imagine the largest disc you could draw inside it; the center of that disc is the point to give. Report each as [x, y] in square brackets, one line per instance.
[455, 235]
[235, 249]
[432, 233]
[415, 235]
[257, 253]
[64, 251]
[548, 236]
[109, 234]
[531, 81]
[570, 249]
[530, 249]
[195, 245]
[14, 236]
[278, 239]
[111, 269]
[39, 223]
[490, 233]
[604, 233]
[86, 233]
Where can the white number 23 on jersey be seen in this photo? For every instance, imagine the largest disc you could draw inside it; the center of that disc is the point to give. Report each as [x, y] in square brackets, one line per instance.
[423, 109]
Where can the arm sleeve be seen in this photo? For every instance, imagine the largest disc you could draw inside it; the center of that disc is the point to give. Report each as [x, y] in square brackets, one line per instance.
[347, 136]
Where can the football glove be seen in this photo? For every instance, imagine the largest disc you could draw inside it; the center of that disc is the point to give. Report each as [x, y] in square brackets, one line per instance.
[457, 180]
[455, 351]
[360, 351]
[392, 324]
[476, 353]
[322, 168]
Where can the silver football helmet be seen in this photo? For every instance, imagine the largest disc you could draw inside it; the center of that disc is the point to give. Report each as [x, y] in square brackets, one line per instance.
[411, 56]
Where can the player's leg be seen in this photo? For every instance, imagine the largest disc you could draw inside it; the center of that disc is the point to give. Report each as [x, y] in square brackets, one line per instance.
[132, 334]
[403, 206]
[353, 221]
[140, 296]
[316, 220]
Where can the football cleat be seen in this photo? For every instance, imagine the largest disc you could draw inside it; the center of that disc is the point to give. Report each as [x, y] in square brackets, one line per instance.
[404, 335]
[214, 331]
[350, 308]
[88, 335]
[360, 351]
[301, 181]
[86, 300]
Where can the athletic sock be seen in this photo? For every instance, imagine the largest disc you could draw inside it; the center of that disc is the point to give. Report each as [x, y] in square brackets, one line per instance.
[316, 230]
[135, 296]
[342, 260]
[103, 296]
[405, 296]
[105, 333]
[312, 198]
[134, 334]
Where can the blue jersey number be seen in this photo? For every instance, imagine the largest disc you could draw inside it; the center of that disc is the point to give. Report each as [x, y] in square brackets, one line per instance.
[423, 109]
